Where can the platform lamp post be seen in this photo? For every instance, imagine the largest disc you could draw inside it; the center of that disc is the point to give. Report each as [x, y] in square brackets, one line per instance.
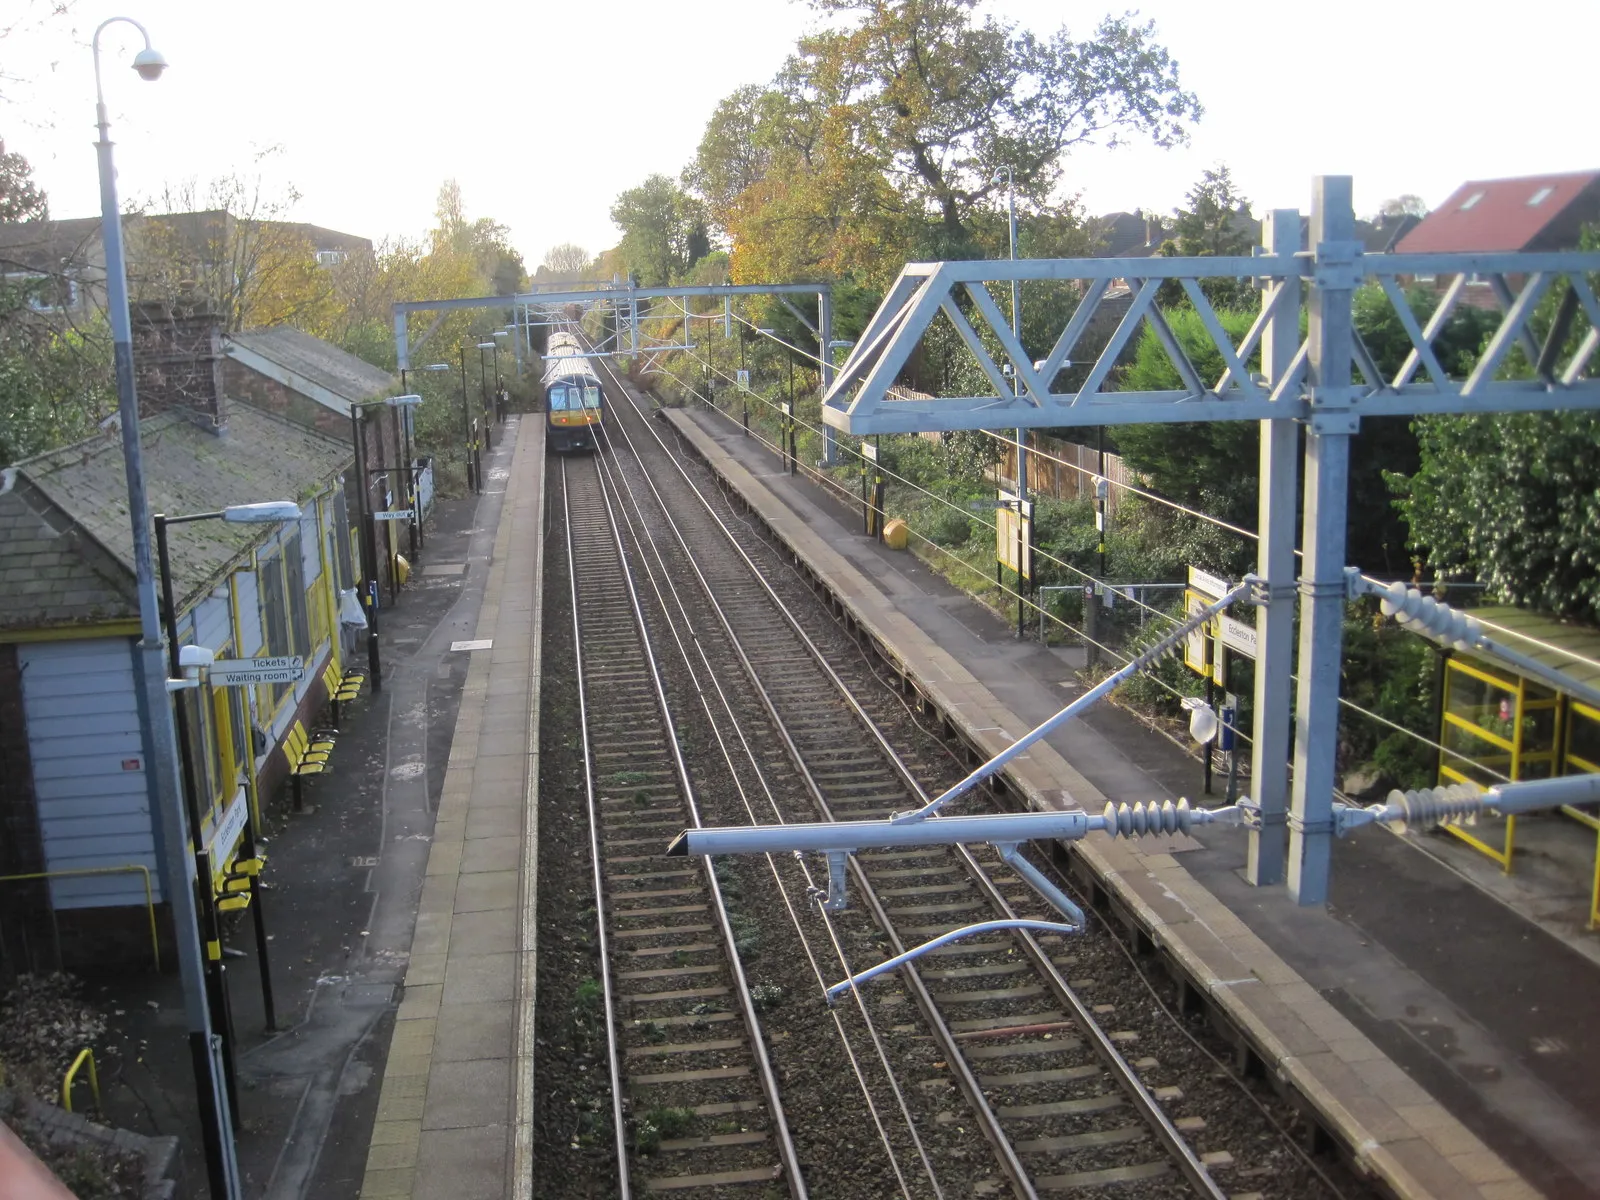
[408, 423]
[499, 408]
[205, 1050]
[1016, 319]
[402, 407]
[265, 513]
[473, 483]
[483, 398]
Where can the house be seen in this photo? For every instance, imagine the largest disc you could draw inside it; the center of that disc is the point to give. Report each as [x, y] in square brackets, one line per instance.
[76, 797]
[63, 262]
[1529, 213]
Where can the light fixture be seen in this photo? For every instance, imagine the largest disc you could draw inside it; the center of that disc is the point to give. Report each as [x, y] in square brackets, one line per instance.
[1202, 721]
[435, 367]
[263, 513]
[408, 401]
[485, 345]
[149, 63]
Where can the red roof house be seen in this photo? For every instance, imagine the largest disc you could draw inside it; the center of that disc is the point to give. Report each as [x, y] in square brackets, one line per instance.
[1535, 212]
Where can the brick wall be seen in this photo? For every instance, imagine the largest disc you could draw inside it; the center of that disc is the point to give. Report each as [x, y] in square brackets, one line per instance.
[177, 363]
[26, 940]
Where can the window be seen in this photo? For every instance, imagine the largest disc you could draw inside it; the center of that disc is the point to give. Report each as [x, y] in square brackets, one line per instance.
[44, 293]
[1471, 201]
[331, 258]
[591, 397]
[283, 606]
[1540, 196]
[558, 399]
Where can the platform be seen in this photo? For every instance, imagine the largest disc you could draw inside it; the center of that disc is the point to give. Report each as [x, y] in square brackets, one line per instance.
[1443, 1034]
[454, 1117]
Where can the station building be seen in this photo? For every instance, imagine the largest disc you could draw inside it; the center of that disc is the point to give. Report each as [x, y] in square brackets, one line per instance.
[78, 852]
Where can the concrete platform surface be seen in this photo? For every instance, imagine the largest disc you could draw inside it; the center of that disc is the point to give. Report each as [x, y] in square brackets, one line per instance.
[1444, 1034]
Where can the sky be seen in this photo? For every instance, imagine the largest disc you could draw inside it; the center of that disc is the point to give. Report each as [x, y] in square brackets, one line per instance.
[544, 112]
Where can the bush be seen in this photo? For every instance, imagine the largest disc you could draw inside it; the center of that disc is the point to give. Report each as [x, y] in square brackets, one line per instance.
[950, 529]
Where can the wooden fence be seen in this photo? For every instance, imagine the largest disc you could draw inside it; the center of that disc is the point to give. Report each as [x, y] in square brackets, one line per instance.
[1066, 470]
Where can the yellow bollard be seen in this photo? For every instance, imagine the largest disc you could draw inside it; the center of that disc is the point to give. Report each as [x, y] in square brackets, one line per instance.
[895, 533]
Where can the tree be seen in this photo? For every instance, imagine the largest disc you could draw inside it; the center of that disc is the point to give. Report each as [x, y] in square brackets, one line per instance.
[21, 199]
[566, 259]
[1217, 224]
[1407, 205]
[230, 244]
[943, 100]
[664, 230]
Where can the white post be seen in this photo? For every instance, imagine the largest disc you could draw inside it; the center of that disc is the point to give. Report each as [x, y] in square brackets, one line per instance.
[1280, 470]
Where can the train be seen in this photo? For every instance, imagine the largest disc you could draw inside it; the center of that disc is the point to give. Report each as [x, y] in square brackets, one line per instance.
[574, 400]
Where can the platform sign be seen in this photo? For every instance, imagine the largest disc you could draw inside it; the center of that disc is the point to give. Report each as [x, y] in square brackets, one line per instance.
[1239, 636]
[1207, 583]
[1007, 540]
[869, 451]
[246, 672]
[1194, 644]
[394, 514]
[226, 833]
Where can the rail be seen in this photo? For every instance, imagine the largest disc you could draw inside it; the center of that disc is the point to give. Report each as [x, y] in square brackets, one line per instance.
[1126, 1079]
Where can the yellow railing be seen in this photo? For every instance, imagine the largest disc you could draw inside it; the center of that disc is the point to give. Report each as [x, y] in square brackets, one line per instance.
[149, 895]
[84, 1055]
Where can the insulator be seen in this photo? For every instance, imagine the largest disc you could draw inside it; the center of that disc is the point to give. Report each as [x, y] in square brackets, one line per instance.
[1457, 804]
[1154, 817]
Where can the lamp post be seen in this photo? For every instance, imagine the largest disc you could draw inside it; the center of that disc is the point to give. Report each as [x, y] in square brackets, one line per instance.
[408, 423]
[270, 512]
[216, 1116]
[1016, 320]
[369, 549]
[499, 408]
[483, 399]
[473, 483]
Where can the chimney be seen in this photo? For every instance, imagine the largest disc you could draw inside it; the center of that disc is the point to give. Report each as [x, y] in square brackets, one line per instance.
[1152, 230]
[177, 364]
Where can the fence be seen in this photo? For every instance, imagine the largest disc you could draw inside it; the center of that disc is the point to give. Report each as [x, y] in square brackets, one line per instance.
[1071, 478]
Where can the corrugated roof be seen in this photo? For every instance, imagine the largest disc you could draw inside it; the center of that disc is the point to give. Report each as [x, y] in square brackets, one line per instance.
[81, 491]
[346, 376]
[1572, 649]
[1496, 214]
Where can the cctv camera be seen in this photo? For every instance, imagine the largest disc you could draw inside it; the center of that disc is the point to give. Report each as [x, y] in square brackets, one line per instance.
[195, 656]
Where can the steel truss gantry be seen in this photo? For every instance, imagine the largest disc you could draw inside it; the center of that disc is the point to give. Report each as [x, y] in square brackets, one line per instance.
[1324, 381]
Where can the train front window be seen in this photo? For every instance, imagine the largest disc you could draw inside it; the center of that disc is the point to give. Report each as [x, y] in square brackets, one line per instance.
[558, 399]
[591, 397]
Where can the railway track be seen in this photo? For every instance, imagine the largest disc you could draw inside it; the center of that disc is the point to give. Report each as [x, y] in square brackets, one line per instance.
[980, 1071]
[684, 1042]
[1057, 1099]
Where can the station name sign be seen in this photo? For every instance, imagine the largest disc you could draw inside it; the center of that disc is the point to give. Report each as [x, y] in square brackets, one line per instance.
[245, 672]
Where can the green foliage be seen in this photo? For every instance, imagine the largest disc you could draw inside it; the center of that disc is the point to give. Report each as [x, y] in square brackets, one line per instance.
[55, 379]
[1393, 673]
[1515, 499]
[1217, 224]
[1211, 466]
[21, 199]
[950, 528]
[663, 231]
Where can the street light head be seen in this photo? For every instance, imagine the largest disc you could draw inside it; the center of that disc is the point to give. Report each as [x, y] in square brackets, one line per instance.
[410, 401]
[437, 367]
[500, 333]
[149, 63]
[485, 345]
[264, 513]
[1202, 721]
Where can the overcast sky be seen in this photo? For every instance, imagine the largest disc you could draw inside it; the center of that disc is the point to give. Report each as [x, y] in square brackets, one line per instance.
[545, 111]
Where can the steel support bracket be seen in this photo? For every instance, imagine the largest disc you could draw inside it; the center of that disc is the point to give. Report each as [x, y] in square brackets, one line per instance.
[1337, 265]
[1299, 824]
[1333, 421]
[836, 900]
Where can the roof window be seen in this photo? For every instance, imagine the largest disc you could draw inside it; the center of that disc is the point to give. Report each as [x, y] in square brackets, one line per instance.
[1471, 200]
[1540, 197]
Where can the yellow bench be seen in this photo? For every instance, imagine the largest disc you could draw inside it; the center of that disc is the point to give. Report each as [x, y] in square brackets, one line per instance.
[342, 688]
[307, 754]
